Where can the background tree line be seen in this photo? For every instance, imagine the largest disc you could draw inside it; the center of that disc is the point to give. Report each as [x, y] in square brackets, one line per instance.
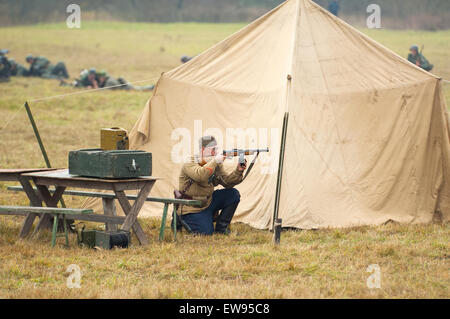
[411, 14]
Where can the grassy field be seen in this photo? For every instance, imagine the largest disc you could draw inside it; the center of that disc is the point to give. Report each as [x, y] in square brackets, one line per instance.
[413, 259]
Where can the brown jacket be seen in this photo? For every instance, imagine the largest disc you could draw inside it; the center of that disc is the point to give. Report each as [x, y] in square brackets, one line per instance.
[200, 189]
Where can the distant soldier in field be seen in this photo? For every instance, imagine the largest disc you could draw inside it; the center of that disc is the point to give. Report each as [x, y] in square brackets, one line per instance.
[5, 67]
[88, 79]
[185, 58]
[17, 69]
[334, 7]
[105, 80]
[418, 59]
[40, 66]
[93, 79]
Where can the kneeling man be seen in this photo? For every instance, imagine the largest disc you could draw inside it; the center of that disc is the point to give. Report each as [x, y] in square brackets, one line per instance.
[198, 178]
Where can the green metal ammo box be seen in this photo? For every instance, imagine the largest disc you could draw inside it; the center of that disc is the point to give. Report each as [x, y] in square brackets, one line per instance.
[105, 239]
[110, 164]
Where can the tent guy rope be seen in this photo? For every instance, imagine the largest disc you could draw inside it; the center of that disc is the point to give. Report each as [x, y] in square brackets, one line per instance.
[70, 94]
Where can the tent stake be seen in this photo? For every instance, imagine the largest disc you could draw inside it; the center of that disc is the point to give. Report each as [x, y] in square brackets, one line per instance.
[41, 145]
[277, 231]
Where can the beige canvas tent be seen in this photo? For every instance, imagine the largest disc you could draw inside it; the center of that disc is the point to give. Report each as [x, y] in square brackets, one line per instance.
[367, 139]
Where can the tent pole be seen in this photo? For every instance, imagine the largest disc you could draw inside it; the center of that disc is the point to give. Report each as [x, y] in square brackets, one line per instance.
[38, 137]
[276, 221]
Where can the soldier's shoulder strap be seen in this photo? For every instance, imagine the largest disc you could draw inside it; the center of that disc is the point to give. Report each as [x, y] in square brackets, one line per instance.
[250, 166]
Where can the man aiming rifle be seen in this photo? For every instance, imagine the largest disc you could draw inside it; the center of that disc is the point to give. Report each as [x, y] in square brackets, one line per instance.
[197, 180]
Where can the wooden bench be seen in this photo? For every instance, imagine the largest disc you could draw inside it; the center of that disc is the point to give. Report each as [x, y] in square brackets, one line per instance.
[56, 211]
[108, 204]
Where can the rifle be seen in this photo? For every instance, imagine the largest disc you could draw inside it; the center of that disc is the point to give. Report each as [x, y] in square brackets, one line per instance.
[241, 153]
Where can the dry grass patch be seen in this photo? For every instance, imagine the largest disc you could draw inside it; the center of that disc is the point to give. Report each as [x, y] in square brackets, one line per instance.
[307, 264]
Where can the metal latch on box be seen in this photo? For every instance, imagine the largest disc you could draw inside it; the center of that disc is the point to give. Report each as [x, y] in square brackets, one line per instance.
[133, 167]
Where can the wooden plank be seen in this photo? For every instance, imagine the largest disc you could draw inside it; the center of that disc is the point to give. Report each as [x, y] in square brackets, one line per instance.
[59, 191]
[109, 208]
[25, 170]
[48, 181]
[13, 174]
[35, 200]
[135, 209]
[30, 191]
[130, 185]
[99, 218]
[85, 217]
[13, 213]
[9, 177]
[63, 174]
[46, 196]
[44, 221]
[63, 178]
[50, 201]
[126, 207]
[188, 202]
[45, 210]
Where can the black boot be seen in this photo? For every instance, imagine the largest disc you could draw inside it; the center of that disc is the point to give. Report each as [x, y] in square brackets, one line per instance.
[224, 219]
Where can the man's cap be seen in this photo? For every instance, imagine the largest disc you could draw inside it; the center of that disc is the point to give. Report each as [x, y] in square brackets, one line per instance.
[12, 61]
[414, 47]
[207, 141]
[4, 51]
[185, 58]
[102, 73]
[92, 71]
[29, 57]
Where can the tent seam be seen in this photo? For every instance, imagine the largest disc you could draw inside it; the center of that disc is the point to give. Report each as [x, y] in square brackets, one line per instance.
[332, 111]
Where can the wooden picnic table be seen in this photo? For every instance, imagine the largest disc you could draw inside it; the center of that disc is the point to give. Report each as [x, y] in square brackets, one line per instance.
[61, 179]
[16, 175]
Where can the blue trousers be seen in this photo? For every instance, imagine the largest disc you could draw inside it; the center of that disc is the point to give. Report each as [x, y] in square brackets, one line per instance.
[202, 222]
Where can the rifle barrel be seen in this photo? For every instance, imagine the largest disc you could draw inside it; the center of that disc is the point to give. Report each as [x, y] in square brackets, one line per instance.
[236, 152]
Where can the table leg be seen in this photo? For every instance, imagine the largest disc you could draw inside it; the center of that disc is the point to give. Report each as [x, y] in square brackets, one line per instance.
[66, 230]
[132, 212]
[163, 222]
[50, 201]
[124, 203]
[55, 229]
[109, 208]
[35, 200]
[174, 216]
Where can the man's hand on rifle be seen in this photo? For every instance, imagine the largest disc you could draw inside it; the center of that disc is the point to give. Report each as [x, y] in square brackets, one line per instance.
[242, 167]
[219, 158]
